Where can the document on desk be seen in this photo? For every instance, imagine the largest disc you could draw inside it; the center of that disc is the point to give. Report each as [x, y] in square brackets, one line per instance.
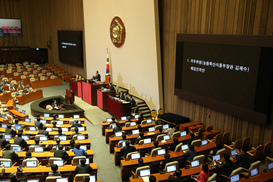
[151, 133]
[145, 179]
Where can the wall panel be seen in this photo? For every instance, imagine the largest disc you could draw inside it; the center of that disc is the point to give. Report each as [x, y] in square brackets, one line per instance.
[244, 17]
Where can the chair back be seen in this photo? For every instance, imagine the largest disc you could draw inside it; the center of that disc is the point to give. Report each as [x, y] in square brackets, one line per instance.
[221, 152]
[154, 151]
[258, 153]
[176, 134]
[238, 144]
[255, 165]
[76, 160]
[218, 139]
[160, 111]
[31, 148]
[52, 178]
[196, 143]
[120, 143]
[141, 168]
[127, 124]
[201, 158]
[208, 128]
[178, 147]
[158, 126]
[225, 137]
[266, 149]
[200, 132]
[236, 171]
[144, 121]
[51, 159]
[212, 177]
[79, 177]
[153, 114]
[160, 137]
[172, 163]
[128, 156]
[141, 142]
[246, 142]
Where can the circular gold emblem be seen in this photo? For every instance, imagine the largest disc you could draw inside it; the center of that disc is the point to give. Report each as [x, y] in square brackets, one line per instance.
[117, 31]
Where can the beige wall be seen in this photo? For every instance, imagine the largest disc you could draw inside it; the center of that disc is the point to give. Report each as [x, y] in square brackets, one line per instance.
[135, 65]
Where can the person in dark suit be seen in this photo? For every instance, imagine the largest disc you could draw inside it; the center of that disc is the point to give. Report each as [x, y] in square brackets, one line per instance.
[55, 171]
[140, 118]
[176, 177]
[10, 154]
[121, 96]
[76, 124]
[127, 149]
[174, 144]
[61, 153]
[226, 168]
[72, 144]
[36, 143]
[10, 131]
[3, 141]
[132, 101]
[44, 132]
[117, 128]
[164, 162]
[243, 159]
[160, 132]
[58, 141]
[140, 137]
[76, 132]
[38, 124]
[54, 118]
[83, 168]
[13, 177]
[97, 76]
[112, 88]
[60, 132]
[155, 146]
[140, 164]
[152, 178]
[191, 139]
[126, 98]
[20, 141]
[189, 155]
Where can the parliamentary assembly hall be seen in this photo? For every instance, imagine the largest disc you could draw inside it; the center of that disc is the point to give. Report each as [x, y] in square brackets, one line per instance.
[136, 90]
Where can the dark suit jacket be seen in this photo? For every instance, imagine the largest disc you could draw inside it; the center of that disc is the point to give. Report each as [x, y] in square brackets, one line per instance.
[133, 102]
[39, 125]
[162, 166]
[243, 160]
[112, 88]
[173, 146]
[125, 150]
[61, 153]
[43, 132]
[157, 135]
[121, 97]
[226, 168]
[138, 139]
[83, 169]
[20, 141]
[2, 143]
[189, 155]
[176, 179]
[76, 125]
[10, 131]
[10, 154]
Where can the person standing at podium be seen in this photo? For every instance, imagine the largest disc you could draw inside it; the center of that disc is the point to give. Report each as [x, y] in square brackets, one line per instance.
[112, 88]
[97, 76]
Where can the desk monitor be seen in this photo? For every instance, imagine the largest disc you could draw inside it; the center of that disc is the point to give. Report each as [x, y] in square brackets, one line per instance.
[8, 137]
[33, 180]
[5, 180]
[216, 157]
[17, 127]
[17, 109]
[84, 147]
[27, 120]
[46, 115]
[80, 137]
[23, 112]
[270, 166]
[87, 161]
[25, 137]
[64, 129]
[58, 162]
[254, 172]
[123, 118]
[32, 128]
[49, 129]
[60, 122]
[136, 116]
[43, 138]
[31, 163]
[233, 152]
[151, 129]
[147, 140]
[92, 178]
[118, 134]
[16, 148]
[133, 124]
[81, 128]
[4, 126]
[6, 163]
[183, 133]
[43, 121]
[161, 152]
[166, 137]
[204, 142]
[109, 120]
[171, 168]
[61, 116]
[195, 163]
[235, 178]
[39, 149]
[149, 121]
[61, 179]
[144, 172]
[135, 132]
[165, 126]
[63, 138]
[3, 116]
[76, 116]
[135, 156]
[184, 147]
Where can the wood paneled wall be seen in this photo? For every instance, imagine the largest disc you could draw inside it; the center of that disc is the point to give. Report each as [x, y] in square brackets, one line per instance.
[40, 21]
[244, 17]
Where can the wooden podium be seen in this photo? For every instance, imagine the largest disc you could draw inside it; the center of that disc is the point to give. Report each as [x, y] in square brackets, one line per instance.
[69, 97]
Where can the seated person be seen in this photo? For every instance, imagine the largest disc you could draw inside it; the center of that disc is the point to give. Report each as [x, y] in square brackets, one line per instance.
[140, 118]
[58, 141]
[132, 101]
[160, 132]
[140, 164]
[204, 174]
[3, 141]
[112, 88]
[78, 151]
[140, 137]
[126, 98]
[190, 154]
[117, 128]
[20, 141]
[26, 90]
[54, 123]
[127, 149]
[192, 138]
[12, 87]
[124, 138]
[170, 130]
[21, 85]
[55, 171]
[29, 156]
[155, 146]
[38, 124]
[174, 144]
[164, 162]
[44, 132]
[13, 176]
[60, 132]
[243, 159]
[227, 167]
[83, 168]
[54, 118]
[76, 132]
[10, 154]
[72, 144]
[16, 123]
[177, 177]
[77, 124]
[10, 131]
[121, 96]
[61, 153]
[54, 104]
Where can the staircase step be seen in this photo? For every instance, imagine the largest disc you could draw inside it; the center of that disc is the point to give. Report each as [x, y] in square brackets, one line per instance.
[143, 108]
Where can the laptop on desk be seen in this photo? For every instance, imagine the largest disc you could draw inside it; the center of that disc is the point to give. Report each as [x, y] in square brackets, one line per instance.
[183, 133]
[184, 148]
[32, 163]
[39, 149]
[59, 163]
[195, 163]
[171, 168]
[235, 178]
[147, 140]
